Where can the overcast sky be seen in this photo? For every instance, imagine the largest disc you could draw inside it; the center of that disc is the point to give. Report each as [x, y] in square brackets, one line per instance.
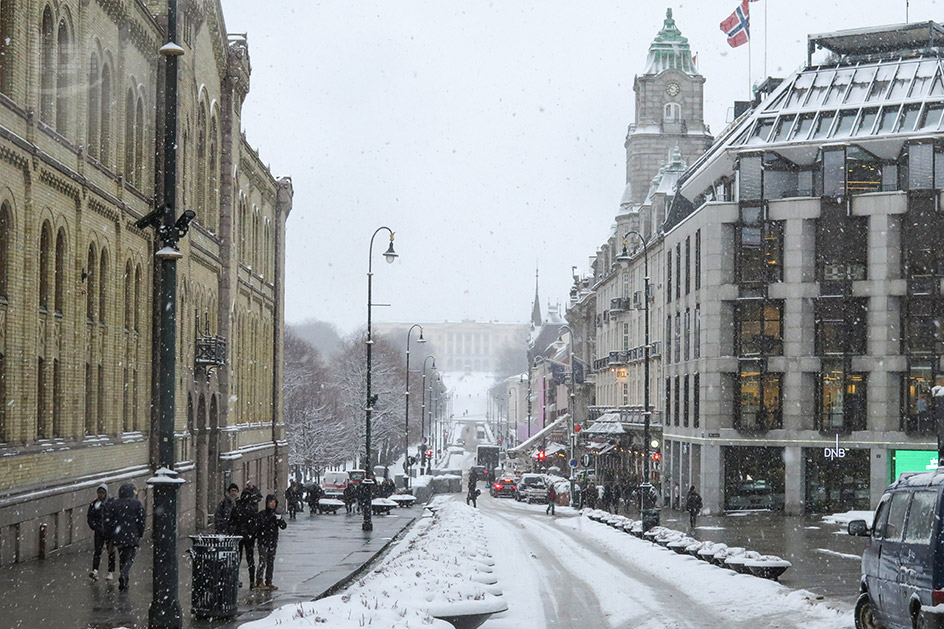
[488, 136]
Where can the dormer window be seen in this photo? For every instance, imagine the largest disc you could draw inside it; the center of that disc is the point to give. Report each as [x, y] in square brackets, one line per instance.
[672, 112]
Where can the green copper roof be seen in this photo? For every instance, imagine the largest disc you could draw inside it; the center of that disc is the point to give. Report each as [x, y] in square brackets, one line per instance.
[669, 50]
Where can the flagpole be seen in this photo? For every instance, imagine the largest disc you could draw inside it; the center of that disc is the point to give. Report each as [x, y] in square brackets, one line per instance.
[766, 9]
[750, 91]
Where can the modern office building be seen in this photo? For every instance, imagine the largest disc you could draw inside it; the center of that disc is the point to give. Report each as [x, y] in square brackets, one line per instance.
[807, 308]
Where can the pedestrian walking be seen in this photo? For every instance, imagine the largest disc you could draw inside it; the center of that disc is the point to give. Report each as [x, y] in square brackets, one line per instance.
[267, 525]
[315, 494]
[349, 496]
[243, 523]
[387, 488]
[125, 520]
[693, 504]
[676, 496]
[293, 498]
[608, 496]
[221, 523]
[256, 493]
[96, 521]
[473, 493]
[551, 499]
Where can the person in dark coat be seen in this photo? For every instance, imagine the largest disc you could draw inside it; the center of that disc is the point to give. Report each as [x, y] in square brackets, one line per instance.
[256, 493]
[293, 498]
[473, 494]
[551, 499]
[387, 488]
[221, 523]
[242, 521]
[96, 521]
[608, 496]
[125, 520]
[267, 525]
[315, 494]
[350, 496]
[693, 505]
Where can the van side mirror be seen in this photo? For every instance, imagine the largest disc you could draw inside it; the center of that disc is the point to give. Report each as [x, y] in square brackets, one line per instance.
[858, 528]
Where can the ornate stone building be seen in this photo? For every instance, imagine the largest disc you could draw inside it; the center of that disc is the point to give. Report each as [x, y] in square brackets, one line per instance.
[80, 153]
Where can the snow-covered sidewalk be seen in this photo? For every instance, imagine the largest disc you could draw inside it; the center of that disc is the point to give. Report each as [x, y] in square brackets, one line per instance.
[440, 569]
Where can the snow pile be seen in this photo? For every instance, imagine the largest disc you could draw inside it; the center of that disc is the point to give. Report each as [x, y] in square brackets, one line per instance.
[441, 569]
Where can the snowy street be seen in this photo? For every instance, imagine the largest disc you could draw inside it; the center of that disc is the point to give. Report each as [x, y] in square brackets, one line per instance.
[568, 571]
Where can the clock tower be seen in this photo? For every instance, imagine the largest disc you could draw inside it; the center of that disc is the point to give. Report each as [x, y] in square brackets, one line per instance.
[669, 111]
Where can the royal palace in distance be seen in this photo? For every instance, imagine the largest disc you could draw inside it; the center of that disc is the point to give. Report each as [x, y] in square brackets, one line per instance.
[81, 116]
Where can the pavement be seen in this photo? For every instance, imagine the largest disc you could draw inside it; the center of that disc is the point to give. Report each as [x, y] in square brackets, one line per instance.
[826, 559]
[317, 555]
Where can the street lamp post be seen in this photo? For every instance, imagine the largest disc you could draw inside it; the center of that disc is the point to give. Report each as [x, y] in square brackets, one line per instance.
[164, 611]
[423, 415]
[646, 488]
[573, 406]
[390, 256]
[406, 414]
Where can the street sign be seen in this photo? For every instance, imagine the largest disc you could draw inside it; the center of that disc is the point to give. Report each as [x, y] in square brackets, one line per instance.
[573, 462]
[576, 427]
[585, 460]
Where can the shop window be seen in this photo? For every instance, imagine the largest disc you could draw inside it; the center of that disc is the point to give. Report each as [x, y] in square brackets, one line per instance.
[758, 403]
[753, 477]
[841, 399]
[839, 484]
[863, 171]
[918, 402]
[841, 326]
[834, 172]
[759, 327]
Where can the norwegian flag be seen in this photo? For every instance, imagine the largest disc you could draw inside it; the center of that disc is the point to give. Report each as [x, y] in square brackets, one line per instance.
[737, 26]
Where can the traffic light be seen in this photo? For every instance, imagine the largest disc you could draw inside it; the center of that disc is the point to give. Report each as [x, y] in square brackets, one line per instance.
[541, 455]
[429, 454]
[656, 456]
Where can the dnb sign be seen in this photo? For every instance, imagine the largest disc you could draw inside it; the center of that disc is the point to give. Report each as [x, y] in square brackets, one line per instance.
[832, 454]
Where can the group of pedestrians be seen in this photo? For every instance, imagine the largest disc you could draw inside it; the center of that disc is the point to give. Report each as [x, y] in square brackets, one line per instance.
[118, 525]
[257, 529]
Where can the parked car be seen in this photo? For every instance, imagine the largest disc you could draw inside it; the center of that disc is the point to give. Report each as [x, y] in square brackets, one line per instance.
[532, 488]
[503, 487]
[902, 580]
[333, 483]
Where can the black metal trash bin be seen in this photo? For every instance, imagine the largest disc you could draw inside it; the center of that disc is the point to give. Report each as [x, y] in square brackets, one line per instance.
[650, 518]
[215, 586]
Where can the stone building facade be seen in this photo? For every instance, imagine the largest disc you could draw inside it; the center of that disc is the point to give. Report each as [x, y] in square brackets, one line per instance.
[607, 308]
[80, 113]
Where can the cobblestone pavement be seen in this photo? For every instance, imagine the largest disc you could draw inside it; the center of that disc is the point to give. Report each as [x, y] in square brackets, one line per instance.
[314, 555]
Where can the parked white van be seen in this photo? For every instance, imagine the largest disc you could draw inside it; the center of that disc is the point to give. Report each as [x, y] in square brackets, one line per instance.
[333, 483]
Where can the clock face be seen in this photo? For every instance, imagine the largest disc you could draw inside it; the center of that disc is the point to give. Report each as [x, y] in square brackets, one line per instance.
[672, 89]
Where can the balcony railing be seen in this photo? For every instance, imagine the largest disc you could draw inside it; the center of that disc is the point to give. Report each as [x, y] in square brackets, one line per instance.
[620, 304]
[210, 351]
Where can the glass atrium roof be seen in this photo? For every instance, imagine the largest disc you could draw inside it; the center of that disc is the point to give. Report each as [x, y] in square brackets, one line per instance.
[851, 102]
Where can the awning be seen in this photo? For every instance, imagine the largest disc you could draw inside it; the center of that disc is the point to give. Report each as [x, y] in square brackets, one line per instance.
[606, 428]
[524, 446]
[608, 417]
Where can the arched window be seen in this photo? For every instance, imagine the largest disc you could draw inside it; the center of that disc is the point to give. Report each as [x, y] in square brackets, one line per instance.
[45, 245]
[48, 70]
[139, 145]
[129, 137]
[63, 89]
[134, 399]
[104, 150]
[60, 270]
[56, 399]
[100, 402]
[129, 280]
[42, 425]
[102, 285]
[213, 202]
[137, 297]
[6, 48]
[89, 402]
[672, 112]
[92, 142]
[5, 231]
[200, 201]
[90, 294]
[127, 423]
